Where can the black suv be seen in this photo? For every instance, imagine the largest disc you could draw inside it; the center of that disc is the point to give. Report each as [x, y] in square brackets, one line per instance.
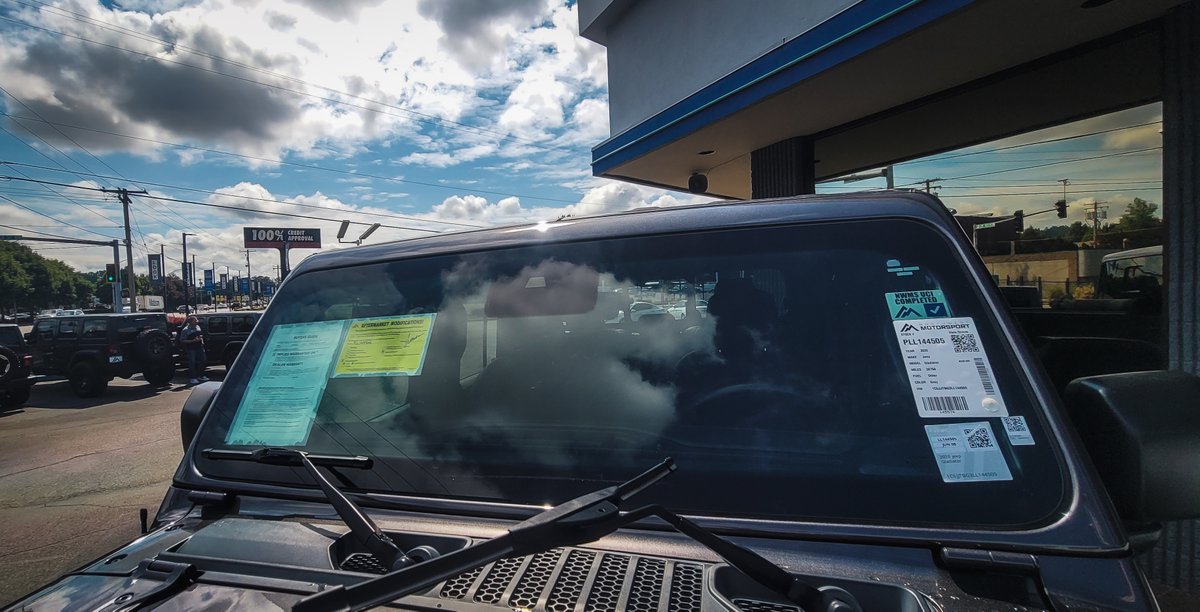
[225, 333]
[15, 382]
[857, 424]
[91, 350]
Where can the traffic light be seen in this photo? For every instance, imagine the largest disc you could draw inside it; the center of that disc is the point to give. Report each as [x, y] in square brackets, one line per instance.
[1018, 222]
[110, 273]
[1061, 207]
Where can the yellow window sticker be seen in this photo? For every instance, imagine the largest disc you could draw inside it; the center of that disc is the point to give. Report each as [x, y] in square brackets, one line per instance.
[385, 346]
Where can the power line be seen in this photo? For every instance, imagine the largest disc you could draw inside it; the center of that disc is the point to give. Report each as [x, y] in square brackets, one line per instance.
[38, 212]
[48, 235]
[270, 200]
[1038, 142]
[412, 114]
[1066, 161]
[296, 164]
[1028, 193]
[68, 198]
[225, 206]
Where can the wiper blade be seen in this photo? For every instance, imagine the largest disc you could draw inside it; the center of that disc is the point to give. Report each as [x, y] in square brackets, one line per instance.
[578, 521]
[365, 531]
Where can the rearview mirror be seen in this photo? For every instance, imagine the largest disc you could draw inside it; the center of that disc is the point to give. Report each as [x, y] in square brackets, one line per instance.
[1142, 430]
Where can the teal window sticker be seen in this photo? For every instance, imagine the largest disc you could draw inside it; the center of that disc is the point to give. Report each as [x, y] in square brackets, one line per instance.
[967, 452]
[924, 304]
[281, 399]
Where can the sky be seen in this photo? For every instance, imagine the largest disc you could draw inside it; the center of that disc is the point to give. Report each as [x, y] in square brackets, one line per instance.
[426, 116]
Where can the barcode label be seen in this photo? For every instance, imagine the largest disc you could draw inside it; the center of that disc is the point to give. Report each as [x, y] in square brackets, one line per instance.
[985, 377]
[949, 403]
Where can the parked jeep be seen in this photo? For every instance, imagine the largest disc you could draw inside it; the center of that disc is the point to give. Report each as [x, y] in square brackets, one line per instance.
[15, 381]
[91, 350]
[857, 424]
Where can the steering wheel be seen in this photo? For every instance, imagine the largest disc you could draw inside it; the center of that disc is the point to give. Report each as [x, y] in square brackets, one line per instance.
[753, 404]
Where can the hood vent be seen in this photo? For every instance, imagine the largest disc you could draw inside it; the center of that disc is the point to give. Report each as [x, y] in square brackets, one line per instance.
[560, 580]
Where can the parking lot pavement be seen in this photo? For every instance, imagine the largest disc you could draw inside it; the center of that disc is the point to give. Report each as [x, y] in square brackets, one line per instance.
[74, 472]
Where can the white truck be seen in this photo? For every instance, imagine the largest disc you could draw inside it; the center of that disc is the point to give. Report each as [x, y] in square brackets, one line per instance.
[150, 303]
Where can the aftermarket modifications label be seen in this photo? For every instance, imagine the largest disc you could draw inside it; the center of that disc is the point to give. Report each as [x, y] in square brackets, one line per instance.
[281, 399]
[948, 371]
[385, 346]
[925, 304]
[967, 452]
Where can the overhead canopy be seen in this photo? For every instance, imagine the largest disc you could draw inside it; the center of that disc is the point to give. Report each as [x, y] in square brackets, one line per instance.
[883, 82]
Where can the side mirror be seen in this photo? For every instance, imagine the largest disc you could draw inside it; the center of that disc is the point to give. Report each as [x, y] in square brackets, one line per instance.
[194, 409]
[29, 337]
[1142, 430]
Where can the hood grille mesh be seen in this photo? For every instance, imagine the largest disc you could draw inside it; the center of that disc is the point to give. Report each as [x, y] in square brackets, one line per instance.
[560, 580]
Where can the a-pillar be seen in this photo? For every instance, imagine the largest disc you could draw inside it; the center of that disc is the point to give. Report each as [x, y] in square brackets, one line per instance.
[1181, 183]
[786, 168]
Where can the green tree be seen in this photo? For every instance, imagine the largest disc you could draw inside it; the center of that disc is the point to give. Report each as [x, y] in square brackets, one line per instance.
[15, 284]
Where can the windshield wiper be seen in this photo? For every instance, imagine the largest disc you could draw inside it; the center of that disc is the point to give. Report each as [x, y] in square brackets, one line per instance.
[581, 520]
[365, 531]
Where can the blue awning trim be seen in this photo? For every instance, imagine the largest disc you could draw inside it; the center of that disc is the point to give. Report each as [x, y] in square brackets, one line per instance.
[851, 33]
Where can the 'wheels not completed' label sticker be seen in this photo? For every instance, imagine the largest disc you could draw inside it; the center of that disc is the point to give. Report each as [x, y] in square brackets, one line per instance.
[948, 370]
[967, 452]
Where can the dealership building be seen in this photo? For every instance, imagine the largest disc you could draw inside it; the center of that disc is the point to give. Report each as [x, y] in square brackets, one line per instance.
[765, 99]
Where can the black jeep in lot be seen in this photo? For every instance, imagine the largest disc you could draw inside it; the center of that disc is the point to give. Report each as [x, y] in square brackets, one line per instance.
[856, 425]
[91, 350]
[224, 335]
[15, 381]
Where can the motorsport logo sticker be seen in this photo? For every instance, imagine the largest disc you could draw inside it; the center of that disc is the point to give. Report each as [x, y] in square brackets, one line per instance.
[929, 304]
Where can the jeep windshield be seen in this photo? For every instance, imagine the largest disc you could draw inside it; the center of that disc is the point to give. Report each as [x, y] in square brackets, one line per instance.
[836, 372]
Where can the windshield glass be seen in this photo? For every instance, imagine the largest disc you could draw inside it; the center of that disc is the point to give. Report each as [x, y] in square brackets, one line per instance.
[843, 371]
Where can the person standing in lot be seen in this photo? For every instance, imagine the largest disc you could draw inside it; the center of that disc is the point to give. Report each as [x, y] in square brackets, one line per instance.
[192, 339]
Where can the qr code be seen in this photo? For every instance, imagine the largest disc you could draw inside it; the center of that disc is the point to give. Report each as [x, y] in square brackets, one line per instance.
[980, 438]
[964, 343]
[1014, 424]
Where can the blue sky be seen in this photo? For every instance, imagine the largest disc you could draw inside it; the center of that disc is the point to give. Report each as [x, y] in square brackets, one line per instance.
[426, 116]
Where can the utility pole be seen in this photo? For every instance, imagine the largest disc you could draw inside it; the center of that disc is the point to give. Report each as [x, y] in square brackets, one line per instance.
[929, 184]
[123, 197]
[187, 281]
[249, 278]
[1095, 214]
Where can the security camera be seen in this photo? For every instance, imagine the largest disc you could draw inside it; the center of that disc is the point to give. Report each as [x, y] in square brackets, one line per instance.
[698, 183]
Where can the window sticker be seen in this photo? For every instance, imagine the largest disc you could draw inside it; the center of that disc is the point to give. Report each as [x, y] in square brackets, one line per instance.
[895, 267]
[1017, 430]
[385, 346]
[948, 370]
[926, 304]
[967, 452]
[285, 388]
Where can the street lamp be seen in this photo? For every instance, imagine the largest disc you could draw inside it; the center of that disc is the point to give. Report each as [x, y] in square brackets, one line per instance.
[346, 225]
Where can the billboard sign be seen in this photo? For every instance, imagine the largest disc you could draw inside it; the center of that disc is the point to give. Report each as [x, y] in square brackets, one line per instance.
[281, 237]
[155, 264]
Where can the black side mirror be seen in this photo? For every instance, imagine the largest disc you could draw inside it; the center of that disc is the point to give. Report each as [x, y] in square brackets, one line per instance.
[29, 337]
[1142, 430]
[194, 409]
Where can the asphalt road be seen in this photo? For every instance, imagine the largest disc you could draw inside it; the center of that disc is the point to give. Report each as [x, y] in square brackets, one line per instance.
[74, 472]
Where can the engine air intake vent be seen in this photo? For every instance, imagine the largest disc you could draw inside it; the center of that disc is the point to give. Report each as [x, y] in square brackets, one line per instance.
[564, 580]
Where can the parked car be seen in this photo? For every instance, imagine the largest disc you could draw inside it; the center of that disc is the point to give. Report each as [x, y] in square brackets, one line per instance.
[224, 334]
[637, 310]
[679, 309]
[15, 361]
[91, 350]
[836, 436]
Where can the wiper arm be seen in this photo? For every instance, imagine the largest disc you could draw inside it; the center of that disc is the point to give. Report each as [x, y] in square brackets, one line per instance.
[578, 521]
[365, 531]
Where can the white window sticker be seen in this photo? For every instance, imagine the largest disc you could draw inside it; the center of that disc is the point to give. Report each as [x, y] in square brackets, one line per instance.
[1017, 430]
[948, 371]
[967, 452]
[286, 386]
